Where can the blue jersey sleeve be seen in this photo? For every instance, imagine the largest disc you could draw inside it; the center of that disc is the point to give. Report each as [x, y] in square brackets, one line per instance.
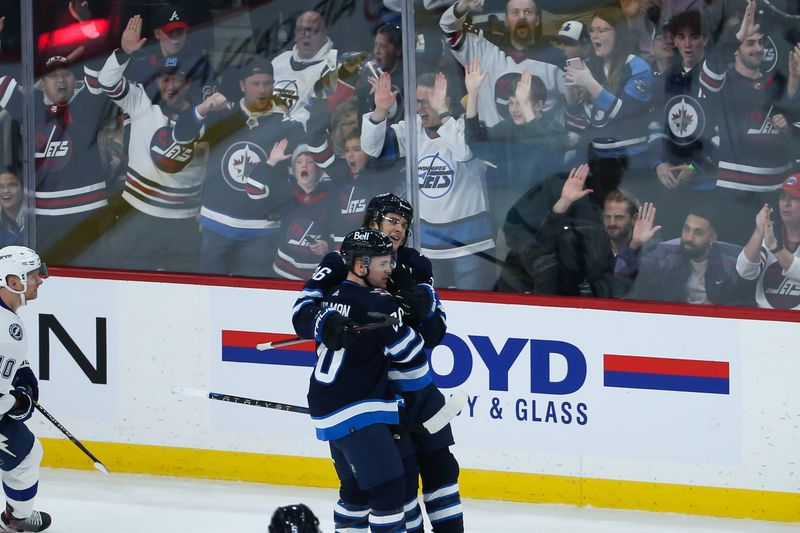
[330, 272]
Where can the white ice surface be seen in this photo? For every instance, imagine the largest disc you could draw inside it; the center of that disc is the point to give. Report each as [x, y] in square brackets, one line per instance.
[90, 502]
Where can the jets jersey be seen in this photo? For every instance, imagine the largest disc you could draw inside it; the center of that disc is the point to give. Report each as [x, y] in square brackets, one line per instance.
[349, 389]
[67, 157]
[453, 206]
[354, 195]
[242, 197]
[753, 154]
[306, 218]
[332, 271]
[501, 69]
[164, 178]
[776, 288]
[296, 79]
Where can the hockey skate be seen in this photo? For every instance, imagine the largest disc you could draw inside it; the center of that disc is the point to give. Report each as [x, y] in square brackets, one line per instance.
[37, 521]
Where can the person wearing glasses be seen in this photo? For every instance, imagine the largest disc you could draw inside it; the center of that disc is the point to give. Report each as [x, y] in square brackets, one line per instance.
[613, 92]
[298, 71]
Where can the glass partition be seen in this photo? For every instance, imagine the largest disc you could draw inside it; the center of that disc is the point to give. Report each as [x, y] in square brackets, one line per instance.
[636, 150]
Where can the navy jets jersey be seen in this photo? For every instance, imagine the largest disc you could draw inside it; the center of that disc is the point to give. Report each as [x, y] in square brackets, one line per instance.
[349, 389]
[332, 271]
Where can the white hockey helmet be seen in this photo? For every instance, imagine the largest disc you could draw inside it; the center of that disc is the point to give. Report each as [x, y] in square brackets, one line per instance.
[19, 261]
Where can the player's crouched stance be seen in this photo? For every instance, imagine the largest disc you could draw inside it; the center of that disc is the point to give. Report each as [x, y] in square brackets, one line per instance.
[21, 274]
[352, 403]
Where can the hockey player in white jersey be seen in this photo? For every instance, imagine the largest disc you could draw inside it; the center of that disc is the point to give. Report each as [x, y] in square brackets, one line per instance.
[21, 274]
[454, 219]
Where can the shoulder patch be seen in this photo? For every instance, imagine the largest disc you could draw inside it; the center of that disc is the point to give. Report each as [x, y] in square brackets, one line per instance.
[15, 330]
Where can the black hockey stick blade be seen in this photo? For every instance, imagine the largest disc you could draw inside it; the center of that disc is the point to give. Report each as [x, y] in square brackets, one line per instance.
[383, 322]
[197, 393]
[97, 463]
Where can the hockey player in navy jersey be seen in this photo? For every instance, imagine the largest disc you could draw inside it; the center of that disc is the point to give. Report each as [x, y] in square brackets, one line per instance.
[412, 282]
[352, 401]
[21, 274]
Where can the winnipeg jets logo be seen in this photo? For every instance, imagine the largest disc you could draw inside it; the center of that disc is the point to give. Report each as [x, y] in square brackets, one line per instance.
[685, 119]
[239, 161]
[4, 445]
[770, 55]
[766, 127]
[287, 91]
[354, 205]
[52, 148]
[302, 236]
[436, 176]
[780, 291]
[15, 330]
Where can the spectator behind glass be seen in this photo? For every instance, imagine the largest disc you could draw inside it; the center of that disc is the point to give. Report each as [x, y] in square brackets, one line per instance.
[620, 211]
[695, 269]
[71, 197]
[12, 214]
[681, 130]
[614, 91]
[363, 182]
[171, 32]
[556, 239]
[344, 120]
[573, 39]
[307, 219]
[524, 149]
[772, 255]
[758, 121]
[502, 63]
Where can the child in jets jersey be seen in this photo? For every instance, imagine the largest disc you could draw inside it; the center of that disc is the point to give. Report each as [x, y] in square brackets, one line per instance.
[412, 283]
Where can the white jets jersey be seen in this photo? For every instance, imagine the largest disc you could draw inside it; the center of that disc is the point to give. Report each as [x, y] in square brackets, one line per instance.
[13, 353]
[499, 68]
[776, 288]
[453, 208]
[296, 79]
[164, 178]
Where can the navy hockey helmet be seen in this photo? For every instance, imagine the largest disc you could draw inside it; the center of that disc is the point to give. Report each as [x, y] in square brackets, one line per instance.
[364, 243]
[388, 203]
[294, 519]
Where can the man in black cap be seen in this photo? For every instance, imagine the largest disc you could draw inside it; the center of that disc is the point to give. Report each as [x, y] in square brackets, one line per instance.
[70, 188]
[251, 141]
[156, 228]
[171, 31]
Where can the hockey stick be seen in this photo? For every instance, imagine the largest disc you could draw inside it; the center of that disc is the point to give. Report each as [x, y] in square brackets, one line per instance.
[448, 412]
[197, 393]
[385, 321]
[97, 463]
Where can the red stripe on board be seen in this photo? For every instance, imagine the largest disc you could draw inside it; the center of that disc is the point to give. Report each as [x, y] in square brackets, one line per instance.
[249, 339]
[666, 366]
[632, 306]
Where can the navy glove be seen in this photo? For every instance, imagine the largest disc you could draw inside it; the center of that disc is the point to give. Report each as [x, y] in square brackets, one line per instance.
[27, 379]
[417, 302]
[402, 277]
[23, 408]
[331, 329]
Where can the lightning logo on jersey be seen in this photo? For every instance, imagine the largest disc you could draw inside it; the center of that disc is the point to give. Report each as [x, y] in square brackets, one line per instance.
[4, 446]
[287, 91]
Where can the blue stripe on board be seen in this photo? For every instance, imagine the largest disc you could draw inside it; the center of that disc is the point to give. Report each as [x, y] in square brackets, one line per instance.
[638, 380]
[235, 354]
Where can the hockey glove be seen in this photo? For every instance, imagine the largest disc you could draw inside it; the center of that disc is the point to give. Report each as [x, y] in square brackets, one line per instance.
[402, 278]
[330, 328]
[27, 379]
[23, 407]
[418, 303]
